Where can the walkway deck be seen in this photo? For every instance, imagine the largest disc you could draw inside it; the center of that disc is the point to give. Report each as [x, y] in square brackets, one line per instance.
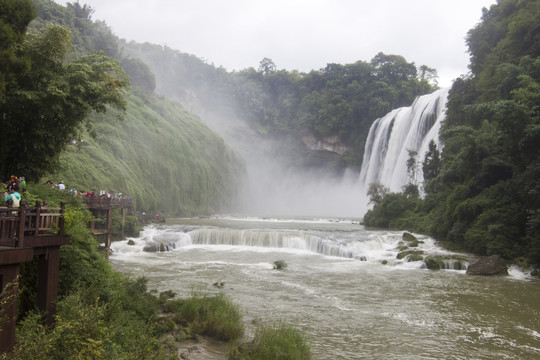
[27, 232]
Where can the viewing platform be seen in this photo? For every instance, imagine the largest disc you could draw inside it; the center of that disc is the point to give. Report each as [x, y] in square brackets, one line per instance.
[27, 232]
[102, 207]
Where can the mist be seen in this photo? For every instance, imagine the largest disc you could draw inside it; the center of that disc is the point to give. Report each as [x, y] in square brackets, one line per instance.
[276, 182]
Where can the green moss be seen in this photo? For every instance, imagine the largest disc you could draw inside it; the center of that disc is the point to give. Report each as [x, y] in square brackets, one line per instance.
[415, 257]
[434, 263]
[409, 253]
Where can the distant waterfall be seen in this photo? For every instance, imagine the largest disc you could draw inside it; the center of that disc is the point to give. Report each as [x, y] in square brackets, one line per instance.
[407, 128]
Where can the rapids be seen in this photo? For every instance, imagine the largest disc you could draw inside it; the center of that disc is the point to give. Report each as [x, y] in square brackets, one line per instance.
[343, 287]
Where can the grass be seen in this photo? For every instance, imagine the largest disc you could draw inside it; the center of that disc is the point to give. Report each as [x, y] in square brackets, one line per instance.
[215, 316]
[277, 341]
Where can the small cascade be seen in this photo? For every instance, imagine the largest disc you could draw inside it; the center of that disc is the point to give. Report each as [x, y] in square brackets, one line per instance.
[273, 239]
[388, 248]
[372, 248]
[390, 138]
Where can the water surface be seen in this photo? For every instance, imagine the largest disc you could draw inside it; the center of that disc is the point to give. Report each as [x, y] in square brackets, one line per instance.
[337, 290]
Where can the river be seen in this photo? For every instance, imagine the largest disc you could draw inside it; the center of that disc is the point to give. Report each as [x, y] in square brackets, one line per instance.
[343, 287]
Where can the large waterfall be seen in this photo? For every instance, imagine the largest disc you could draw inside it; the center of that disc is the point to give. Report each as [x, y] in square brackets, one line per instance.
[392, 136]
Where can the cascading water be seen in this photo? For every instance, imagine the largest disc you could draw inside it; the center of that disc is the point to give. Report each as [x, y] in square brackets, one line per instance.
[403, 129]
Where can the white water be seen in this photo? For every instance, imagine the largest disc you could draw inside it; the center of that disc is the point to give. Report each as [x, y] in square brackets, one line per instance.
[379, 307]
[403, 129]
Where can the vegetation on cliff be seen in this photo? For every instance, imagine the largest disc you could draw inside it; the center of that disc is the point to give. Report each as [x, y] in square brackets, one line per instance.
[340, 100]
[482, 192]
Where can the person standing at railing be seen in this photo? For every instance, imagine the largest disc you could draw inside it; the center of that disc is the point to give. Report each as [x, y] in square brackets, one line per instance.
[13, 195]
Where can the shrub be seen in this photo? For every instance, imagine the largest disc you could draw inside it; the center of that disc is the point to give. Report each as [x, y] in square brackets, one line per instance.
[274, 342]
[215, 316]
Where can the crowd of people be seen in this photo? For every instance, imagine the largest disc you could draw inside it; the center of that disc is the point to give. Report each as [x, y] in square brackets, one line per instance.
[16, 185]
[89, 195]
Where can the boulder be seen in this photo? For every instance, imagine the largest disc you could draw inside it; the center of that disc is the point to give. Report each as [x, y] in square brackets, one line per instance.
[491, 265]
[407, 236]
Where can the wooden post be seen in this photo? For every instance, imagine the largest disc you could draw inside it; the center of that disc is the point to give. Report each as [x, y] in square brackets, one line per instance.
[61, 220]
[49, 268]
[38, 220]
[8, 313]
[109, 231]
[124, 212]
[22, 222]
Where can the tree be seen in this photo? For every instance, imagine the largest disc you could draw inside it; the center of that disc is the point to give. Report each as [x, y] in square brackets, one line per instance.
[431, 166]
[14, 19]
[412, 166]
[376, 193]
[267, 66]
[430, 75]
[45, 107]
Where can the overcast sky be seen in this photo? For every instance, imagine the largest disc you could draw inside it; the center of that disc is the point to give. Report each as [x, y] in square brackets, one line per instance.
[301, 35]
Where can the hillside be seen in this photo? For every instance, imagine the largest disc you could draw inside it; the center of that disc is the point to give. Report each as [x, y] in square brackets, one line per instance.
[161, 155]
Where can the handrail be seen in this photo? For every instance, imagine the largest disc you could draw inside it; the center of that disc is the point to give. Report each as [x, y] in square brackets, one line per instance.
[16, 223]
[104, 201]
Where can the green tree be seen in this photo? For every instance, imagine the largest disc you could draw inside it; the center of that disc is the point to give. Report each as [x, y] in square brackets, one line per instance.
[376, 193]
[45, 107]
[431, 166]
[14, 19]
[267, 66]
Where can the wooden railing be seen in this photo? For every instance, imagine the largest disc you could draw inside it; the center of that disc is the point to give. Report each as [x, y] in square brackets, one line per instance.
[104, 201]
[16, 223]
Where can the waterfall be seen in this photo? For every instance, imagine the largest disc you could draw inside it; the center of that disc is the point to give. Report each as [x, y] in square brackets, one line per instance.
[403, 129]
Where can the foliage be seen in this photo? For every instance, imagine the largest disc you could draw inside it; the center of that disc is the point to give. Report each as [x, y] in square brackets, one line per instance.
[62, 92]
[376, 193]
[14, 19]
[88, 330]
[274, 342]
[214, 316]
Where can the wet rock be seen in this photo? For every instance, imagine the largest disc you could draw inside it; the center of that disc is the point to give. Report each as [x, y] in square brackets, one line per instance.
[491, 265]
[448, 262]
[409, 253]
[411, 239]
[434, 263]
[407, 236]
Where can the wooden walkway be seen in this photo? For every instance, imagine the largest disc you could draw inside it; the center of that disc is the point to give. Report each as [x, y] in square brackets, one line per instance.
[25, 233]
[104, 207]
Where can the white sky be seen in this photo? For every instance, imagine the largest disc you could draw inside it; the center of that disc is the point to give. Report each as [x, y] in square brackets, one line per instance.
[301, 34]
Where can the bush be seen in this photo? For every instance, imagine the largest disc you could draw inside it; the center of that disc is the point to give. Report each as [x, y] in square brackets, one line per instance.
[215, 316]
[274, 342]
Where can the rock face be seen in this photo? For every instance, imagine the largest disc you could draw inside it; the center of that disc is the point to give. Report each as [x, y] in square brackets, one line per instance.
[491, 265]
[330, 143]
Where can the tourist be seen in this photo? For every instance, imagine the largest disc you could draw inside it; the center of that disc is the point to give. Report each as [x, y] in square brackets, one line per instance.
[61, 185]
[12, 182]
[22, 183]
[13, 195]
